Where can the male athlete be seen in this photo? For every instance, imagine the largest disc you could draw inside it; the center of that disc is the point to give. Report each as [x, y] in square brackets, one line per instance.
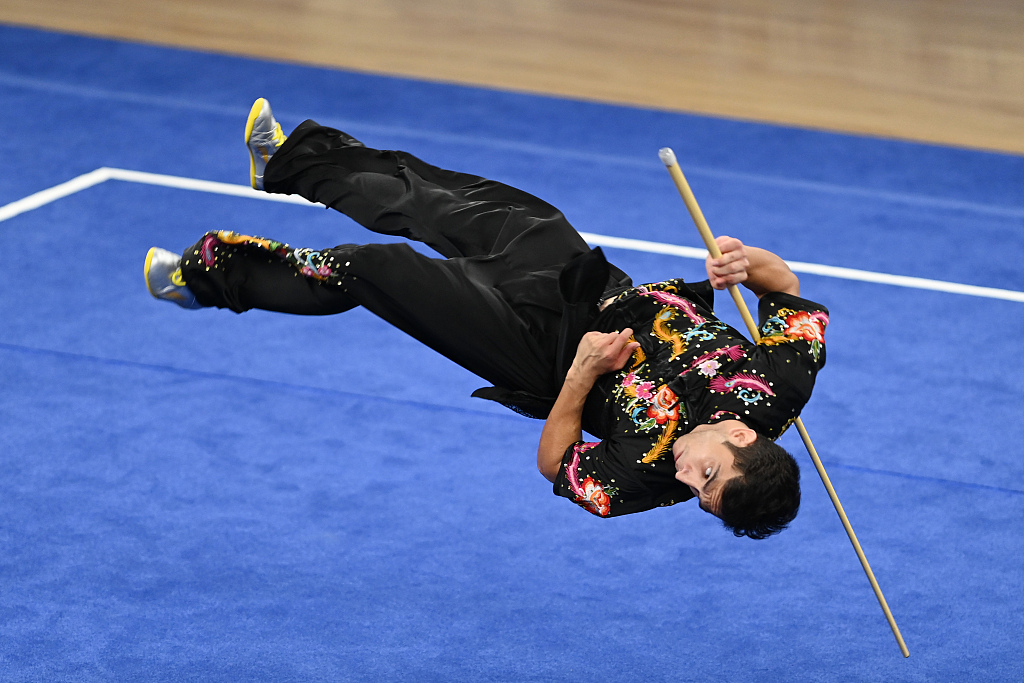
[683, 405]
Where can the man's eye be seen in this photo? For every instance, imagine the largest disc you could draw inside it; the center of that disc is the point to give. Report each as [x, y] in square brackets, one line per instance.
[707, 472]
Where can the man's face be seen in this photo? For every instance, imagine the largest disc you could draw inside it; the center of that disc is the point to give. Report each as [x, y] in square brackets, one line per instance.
[705, 463]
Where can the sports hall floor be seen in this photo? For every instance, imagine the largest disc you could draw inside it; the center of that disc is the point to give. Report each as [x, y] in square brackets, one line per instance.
[212, 497]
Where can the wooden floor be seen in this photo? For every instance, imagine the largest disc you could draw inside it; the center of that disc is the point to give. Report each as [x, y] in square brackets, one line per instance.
[946, 71]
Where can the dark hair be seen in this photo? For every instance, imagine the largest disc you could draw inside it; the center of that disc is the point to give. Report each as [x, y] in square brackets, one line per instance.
[765, 498]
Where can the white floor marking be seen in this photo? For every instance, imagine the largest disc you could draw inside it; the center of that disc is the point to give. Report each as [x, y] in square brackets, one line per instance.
[44, 197]
[815, 269]
[87, 180]
[211, 186]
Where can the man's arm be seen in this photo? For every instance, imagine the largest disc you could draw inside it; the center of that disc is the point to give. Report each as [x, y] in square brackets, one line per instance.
[598, 353]
[759, 270]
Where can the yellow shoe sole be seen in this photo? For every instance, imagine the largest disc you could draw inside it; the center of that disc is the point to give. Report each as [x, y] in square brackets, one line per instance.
[149, 261]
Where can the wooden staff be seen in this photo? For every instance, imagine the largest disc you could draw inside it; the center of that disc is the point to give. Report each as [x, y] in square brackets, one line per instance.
[668, 158]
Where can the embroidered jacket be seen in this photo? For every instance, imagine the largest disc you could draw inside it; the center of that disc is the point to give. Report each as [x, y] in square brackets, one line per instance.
[690, 369]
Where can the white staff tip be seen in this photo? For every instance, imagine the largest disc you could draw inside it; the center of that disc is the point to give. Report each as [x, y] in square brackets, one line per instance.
[667, 156]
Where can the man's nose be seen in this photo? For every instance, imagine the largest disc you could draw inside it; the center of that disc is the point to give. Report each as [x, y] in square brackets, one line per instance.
[686, 476]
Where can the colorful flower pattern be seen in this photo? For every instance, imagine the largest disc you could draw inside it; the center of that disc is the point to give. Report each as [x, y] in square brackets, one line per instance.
[788, 326]
[708, 364]
[308, 262]
[683, 346]
[589, 492]
[664, 407]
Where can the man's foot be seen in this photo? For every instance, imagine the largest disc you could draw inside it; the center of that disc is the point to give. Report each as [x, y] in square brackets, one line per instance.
[263, 135]
[163, 278]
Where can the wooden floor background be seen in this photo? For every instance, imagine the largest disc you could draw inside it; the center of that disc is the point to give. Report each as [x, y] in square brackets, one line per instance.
[945, 71]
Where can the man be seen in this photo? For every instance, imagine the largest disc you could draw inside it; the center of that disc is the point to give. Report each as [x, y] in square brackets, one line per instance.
[685, 407]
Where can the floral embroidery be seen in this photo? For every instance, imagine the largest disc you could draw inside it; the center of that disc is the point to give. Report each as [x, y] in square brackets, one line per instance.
[809, 326]
[649, 409]
[309, 262]
[665, 406]
[637, 395]
[790, 326]
[589, 493]
[720, 375]
[594, 498]
[709, 367]
[708, 364]
[666, 409]
[643, 390]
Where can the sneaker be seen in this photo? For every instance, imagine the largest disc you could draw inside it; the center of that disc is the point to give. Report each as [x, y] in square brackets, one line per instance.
[263, 136]
[164, 280]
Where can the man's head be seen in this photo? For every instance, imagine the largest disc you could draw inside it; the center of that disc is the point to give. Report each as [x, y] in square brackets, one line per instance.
[745, 479]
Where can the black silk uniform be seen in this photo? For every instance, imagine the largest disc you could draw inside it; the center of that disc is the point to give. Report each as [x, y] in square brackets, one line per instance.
[515, 291]
[690, 369]
[511, 299]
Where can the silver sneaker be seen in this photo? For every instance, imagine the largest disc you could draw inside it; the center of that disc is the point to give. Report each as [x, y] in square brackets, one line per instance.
[263, 136]
[164, 280]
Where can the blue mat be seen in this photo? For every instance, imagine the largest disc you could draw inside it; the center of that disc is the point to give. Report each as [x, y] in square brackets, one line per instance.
[205, 496]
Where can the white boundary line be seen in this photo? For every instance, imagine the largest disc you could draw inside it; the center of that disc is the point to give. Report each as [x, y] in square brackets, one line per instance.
[87, 180]
[815, 269]
[44, 197]
[195, 185]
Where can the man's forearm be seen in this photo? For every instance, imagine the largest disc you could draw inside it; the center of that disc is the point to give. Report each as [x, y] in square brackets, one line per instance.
[597, 354]
[767, 272]
[564, 424]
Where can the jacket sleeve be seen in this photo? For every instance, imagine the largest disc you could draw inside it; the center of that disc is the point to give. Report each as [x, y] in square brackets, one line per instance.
[597, 477]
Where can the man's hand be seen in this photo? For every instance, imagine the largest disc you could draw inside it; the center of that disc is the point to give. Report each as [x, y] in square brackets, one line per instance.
[600, 353]
[731, 267]
[597, 354]
[759, 270]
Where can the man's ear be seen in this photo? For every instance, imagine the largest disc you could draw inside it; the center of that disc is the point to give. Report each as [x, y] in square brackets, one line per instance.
[741, 435]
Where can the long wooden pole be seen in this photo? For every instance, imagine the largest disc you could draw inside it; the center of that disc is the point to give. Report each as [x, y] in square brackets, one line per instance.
[668, 158]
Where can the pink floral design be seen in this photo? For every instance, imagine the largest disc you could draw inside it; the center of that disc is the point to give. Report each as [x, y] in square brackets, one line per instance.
[643, 390]
[628, 380]
[734, 352]
[709, 367]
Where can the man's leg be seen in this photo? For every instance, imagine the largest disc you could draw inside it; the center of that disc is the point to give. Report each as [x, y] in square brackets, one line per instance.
[395, 193]
[442, 303]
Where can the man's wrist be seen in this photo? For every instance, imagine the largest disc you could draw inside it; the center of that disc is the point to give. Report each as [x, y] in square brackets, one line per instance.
[580, 379]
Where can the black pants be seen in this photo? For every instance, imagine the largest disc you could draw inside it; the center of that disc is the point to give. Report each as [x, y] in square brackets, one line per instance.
[493, 305]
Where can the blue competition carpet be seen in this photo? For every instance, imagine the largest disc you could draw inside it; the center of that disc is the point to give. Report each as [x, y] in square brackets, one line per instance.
[205, 496]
